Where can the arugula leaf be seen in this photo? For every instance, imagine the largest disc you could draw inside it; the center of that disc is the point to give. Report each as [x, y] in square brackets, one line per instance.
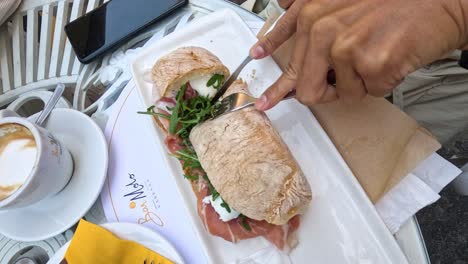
[243, 222]
[187, 113]
[226, 206]
[192, 112]
[150, 111]
[191, 177]
[175, 112]
[213, 192]
[187, 155]
[216, 81]
[189, 158]
[186, 142]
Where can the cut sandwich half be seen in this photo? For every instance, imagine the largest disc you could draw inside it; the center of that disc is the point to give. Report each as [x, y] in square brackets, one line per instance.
[246, 181]
[196, 69]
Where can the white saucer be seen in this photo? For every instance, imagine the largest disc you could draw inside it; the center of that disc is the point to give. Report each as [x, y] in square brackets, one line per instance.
[54, 215]
[138, 233]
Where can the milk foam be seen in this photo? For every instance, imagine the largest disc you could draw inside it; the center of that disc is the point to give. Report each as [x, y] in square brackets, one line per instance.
[17, 160]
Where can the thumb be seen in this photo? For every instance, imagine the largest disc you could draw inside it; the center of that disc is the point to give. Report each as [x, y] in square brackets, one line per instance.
[285, 4]
[276, 92]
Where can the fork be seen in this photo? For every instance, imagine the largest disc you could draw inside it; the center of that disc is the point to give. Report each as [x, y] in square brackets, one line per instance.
[232, 78]
[238, 101]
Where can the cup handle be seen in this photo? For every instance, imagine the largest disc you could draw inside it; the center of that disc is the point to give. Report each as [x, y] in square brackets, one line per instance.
[8, 113]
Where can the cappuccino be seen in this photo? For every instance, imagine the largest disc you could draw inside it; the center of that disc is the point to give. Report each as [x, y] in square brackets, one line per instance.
[18, 154]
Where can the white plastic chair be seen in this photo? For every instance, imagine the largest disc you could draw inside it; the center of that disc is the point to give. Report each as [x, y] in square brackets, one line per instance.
[35, 53]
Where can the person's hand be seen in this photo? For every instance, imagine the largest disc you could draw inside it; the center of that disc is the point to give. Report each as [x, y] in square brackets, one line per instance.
[285, 4]
[371, 45]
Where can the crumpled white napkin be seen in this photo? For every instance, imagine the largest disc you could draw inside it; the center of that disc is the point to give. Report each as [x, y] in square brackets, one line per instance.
[418, 189]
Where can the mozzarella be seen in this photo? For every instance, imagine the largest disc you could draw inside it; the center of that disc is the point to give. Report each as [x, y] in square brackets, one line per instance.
[199, 85]
[224, 215]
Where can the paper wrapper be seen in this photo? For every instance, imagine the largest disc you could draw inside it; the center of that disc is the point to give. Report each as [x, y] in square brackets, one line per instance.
[379, 143]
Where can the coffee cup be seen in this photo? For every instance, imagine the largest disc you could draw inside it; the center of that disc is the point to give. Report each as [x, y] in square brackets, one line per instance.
[34, 165]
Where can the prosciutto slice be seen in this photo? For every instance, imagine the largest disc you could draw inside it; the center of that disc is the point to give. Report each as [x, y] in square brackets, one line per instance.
[281, 236]
[189, 92]
[173, 143]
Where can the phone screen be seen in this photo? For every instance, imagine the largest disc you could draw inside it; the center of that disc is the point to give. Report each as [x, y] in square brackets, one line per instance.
[102, 28]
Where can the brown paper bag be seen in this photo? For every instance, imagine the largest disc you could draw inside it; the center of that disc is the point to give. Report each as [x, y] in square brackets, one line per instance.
[379, 143]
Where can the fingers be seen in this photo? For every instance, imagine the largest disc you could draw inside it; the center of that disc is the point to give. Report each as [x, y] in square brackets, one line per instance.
[344, 35]
[314, 35]
[283, 30]
[372, 70]
[278, 90]
[313, 88]
[285, 4]
[360, 68]
[288, 80]
[327, 49]
[349, 85]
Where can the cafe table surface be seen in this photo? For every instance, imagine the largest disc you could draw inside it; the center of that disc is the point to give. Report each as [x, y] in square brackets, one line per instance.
[409, 237]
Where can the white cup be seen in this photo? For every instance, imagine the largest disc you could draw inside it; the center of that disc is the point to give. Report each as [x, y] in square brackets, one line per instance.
[52, 169]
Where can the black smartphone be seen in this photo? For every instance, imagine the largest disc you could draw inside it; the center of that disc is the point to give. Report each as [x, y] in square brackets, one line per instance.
[113, 23]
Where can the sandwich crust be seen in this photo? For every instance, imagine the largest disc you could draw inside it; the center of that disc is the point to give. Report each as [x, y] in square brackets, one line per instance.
[250, 166]
[173, 70]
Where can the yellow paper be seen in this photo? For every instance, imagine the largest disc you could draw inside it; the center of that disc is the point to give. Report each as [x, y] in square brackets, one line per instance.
[94, 244]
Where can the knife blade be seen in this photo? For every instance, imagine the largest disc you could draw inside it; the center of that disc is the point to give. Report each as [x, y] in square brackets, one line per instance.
[236, 73]
[230, 80]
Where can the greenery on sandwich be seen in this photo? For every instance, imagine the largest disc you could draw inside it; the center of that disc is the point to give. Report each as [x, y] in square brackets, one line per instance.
[226, 206]
[186, 114]
[216, 81]
[150, 111]
[243, 222]
[190, 162]
[213, 192]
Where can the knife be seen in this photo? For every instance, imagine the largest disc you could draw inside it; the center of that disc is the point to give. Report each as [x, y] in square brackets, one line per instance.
[236, 73]
[230, 80]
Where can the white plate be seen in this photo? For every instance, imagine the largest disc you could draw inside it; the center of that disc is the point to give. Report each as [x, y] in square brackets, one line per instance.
[134, 232]
[341, 225]
[52, 216]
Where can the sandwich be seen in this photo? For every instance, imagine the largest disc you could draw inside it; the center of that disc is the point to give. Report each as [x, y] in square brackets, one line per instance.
[244, 177]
